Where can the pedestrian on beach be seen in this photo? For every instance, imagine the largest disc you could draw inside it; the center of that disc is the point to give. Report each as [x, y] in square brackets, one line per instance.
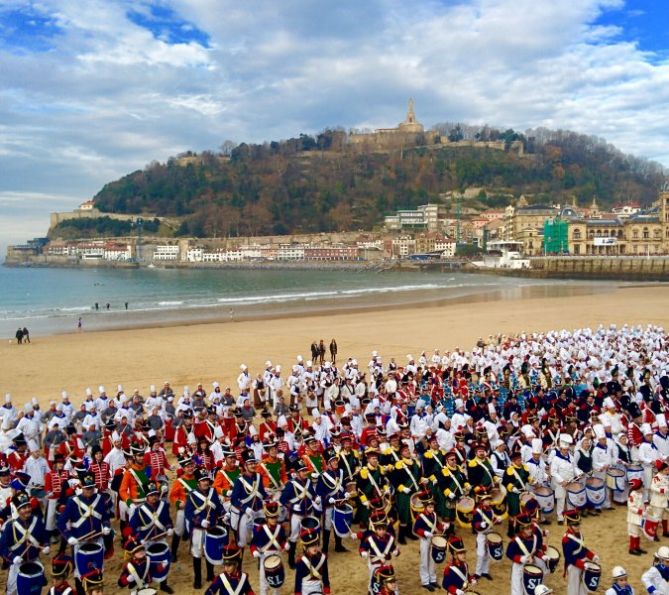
[126, 305]
[19, 336]
[321, 351]
[26, 335]
[333, 351]
[107, 305]
[314, 351]
[97, 306]
[79, 324]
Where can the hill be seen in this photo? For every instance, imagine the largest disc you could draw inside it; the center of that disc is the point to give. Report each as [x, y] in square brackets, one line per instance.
[323, 183]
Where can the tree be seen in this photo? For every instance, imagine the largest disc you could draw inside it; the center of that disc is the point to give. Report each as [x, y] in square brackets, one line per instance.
[455, 134]
[227, 147]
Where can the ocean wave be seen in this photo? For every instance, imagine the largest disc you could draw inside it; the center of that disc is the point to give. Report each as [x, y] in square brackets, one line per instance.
[171, 303]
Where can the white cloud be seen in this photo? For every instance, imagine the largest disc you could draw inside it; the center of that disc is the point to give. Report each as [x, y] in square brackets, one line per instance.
[110, 97]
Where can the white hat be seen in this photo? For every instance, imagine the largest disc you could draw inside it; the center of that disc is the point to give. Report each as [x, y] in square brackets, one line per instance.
[528, 430]
[409, 357]
[268, 364]
[605, 420]
[315, 413]
[542, 590]
[186, 391]
[152, 388]
[646, 429]
[495, 444]
[63, 395]
[218, 432]
[599, 431]
[277, 368]
[8, 398]
[618, 572]
[243, 367]
[459, 403]
[300, 358]
[663, 553]
[34, 401]
[215, 384]
[537, 446]
[609, 404]
[115, 436]
[119, 388]
[28, 407]
[565, 440]
[375, 353]
[491, 408]
[661, 420]
[309, 364]
[101, 389]
[89, 392]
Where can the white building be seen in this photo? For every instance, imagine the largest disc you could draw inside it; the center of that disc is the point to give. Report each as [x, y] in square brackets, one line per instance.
[446, 247]
[290, 252]
[117, 252]
[404, 246]
[166, 252]
[194, 254]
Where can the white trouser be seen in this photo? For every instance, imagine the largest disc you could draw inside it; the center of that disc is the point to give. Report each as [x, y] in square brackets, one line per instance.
[51, 506]
[311, 587]
[560, 499]
[574, 583]
[327, 520]
[246, 527]
[647, 478]
[197, 543]
[428, 573]
[11, 578]
[180, 524]
[517, 579]
[482, 555]
[234, 517]
[295, 520]
[265, 588]
[633, 530]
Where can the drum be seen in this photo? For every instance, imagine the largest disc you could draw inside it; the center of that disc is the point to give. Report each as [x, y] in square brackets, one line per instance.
[616, 479]
[88, 556]
[30, 579]
[342, 519]
[576, 497]
[416, 506]
[545, 496]
[160, 559]
[340, 407]
[591, 575]
[274, 572]
[495, 546]
[552, 558]
[524, 498]
[215, 540]
[438, 549]
[148, 591]
[498, 502]
[464, 511]
[533, 576]
[595, 491]
[634, 472]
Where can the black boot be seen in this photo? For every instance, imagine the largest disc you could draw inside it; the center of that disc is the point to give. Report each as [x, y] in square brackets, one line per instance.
[165, 588]
[197, 573]
[291, 555]
[79, 587]
[210, 570]
[402, 536]
[326, 541]
[339, 547]
[175, 546]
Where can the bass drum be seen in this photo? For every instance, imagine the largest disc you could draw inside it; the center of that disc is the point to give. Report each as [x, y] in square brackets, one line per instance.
[464, 511]
[416, 506]
[498, 502]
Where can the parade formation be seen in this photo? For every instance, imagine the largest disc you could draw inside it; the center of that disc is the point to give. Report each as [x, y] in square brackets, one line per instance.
[293, 468]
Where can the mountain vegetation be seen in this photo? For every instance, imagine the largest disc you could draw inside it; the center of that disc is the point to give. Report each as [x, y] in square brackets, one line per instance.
[322, 183]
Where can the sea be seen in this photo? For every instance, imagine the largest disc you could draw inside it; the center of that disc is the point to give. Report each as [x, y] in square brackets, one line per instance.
[51, 301]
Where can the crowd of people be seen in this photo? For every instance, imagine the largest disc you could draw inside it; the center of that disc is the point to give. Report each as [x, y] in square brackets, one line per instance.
[517, 433]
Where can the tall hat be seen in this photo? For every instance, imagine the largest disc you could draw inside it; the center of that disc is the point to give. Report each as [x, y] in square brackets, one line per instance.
[456, 545]
[21, 500]
[385, 574]
[185, 459]
[153, 487]
[573, 517]
[271, 509]
[87, 480]
[61, 566]
[330, 454]
[524, 520]
[310, 537]
[425, 498]
[248, 456]
[92, 580]
[232, 554]
[201, 474]
[137, 449]
[378, 518]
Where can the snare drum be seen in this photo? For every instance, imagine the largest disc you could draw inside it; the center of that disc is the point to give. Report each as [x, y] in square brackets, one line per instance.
[342, 519]
[498, 502]
[438, 548]
[160, 559]
[416, 506]
[464, 511]
[88, 556]
[576, 497]
[495, 545]
[31, 578]
[215, 540]
[310, 524]
[533, 576]
[616, 479]
[634, 472]
[591, 575]
[552, 557]
[545, 496]
[275, 575]
[595, 491]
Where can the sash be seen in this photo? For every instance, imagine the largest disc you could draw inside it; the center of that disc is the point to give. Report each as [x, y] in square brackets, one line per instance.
[228, 586]
[276, 484]
[139, 580]
[374, 484]
[432, 525]
[381, 555]
[332, 483]
[251, 490]
[578, 541]
[463, 577]
[272, 539]
[522, 547]
[206, 501]
[140, 484]
[515, 473]
[348, 467]
[436, 459]
[24, 535]
[455, 481]
[153, 518]
[413, 479]
[488, 519]
[184, 483]
[314, 570]
[300, 492]
[485, 467]
[86, 511]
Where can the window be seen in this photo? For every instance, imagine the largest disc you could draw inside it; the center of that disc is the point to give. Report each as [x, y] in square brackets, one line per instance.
[646, 234]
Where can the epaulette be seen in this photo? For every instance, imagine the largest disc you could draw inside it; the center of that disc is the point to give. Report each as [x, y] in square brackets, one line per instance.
[472, 463]
[428, 454]
[364, 472]
[399, 465]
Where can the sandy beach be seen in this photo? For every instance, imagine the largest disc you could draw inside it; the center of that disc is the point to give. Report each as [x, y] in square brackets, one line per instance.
[186, 355]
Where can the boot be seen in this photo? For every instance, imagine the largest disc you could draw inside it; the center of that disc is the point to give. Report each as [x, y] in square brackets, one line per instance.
[79, 587]
[291, 555]
[109, 545]
[62, 547]
[665, 528]
[402, 536]
[165, 588]
[197, 573]
[210, 570]
[638, 546]
[511, 531]
[339, 547]
[175, 546]
[632, 548]
[326, 541]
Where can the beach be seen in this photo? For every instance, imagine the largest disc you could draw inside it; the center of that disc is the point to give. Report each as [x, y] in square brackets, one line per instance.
[188, 354]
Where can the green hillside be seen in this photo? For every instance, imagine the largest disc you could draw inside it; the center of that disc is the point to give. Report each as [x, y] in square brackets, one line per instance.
[314, 184]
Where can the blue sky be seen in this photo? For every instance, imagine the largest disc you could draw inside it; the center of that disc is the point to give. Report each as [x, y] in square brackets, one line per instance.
[92, 90]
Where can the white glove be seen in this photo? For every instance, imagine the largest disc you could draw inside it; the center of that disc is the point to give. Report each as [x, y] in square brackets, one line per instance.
[366, 504]
[595, 559]
[46, 550]
[396, 553]
[331, 500]
[106, 530]
[428, 534]
[170, 532]
[18, 560]
[204, 524]
[256, 554]
[354, 536]
[459, 592]
[515, 490]
[287, 546]
[483, 524]
[451, 496]
[72, 540]
[364, 554]
[317, 501]
[131, 579]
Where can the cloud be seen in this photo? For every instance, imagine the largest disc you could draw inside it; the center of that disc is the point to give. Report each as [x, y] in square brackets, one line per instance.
[95, 90]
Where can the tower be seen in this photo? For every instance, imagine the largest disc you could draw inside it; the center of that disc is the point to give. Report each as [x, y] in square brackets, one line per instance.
[411, 115]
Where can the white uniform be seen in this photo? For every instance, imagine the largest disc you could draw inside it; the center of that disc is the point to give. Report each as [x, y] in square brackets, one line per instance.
[647, 454]
[601, 461]
[563, 470]
[653, 577]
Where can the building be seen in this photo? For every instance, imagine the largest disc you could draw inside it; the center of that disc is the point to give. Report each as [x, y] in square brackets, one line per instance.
[166, 252]
[424, 217]
[408, 133]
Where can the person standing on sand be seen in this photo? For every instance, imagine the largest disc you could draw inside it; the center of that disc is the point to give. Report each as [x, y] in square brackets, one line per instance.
[19, 336]
[26, 335]
[79, 324]
[333, 351]
[321, 351]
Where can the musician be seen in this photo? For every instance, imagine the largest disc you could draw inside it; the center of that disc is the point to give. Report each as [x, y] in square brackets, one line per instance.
[391, 454]
[232, 581]
[656, 578]
[385, 578]
[56, 486]
[516, 479]
[61, 566]
[298, 498]
[426, 526]
[434, 462]
[377, 544]
[151, 521]
[480, 472]
[181, 436]
[225, 477]
[156, 459]
[457, 579]
[575, 554]
[647, 454]
[93, 582]
[636, 511]
[349, 459]
[312, 457]
[620, 585]
[563, 470]
[406, 478]
[659, 492]
[269, 538]
[371, 483]
[500, 459]
[483, 521]
[133, 485]
[522, 550]
[311, 571]
[203, 510]
[136, 572]
[272, 467]
[331, 490]
[453, 485]
[85, 518]
[602, 459]
[181, 487]
[246, 500]
[23, 538]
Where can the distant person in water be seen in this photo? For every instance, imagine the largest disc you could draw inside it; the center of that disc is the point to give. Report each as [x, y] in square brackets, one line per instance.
[107, 305]
[26, 335]
[97, 306]
[80, 324]
[126, 305]
[19, 336]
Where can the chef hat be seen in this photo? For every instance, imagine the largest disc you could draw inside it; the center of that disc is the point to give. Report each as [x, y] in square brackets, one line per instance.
[459, 403]
[309, 364]
[300, 359]
[566, 440]
[528, 430]
[152, 388]
[89, 392]
[491, 408]
[101, 389]
[28, 407]
[646, 429]
[277, 368]
[609, 404]
[605, 420]
[215, 384]
[599, 431]
[537, 446]
[8, 398]
[315, 413]
[268, 364]
[119, 388]
[63, 395]
[34, 401]
[661, 420]
[243, 368]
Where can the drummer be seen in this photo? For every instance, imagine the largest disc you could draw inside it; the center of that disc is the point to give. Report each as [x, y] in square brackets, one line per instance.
[269, 538]
[516, 481]
[426, 526]
[151, 522]
[330, 489]
[61, 566]
[406, 478]
[372, 483]
[521, 550]
[232, 581]
[656, 578]
[246, 499]
[480, 472]
[454, 485]
[483, 521]
[385, 577]
[377, 544]
[563, 470]
[22, 539]
[602, 459]
[636, 512]
[311, 571]
[182, 486]
[456, 574]
[93, 582]
[136, 572]
[539, 472]
[575, 554]
[620, 585]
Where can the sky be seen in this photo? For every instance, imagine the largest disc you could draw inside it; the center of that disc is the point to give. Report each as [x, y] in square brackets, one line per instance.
[90, 91]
